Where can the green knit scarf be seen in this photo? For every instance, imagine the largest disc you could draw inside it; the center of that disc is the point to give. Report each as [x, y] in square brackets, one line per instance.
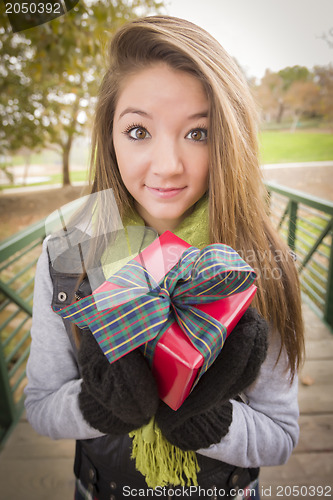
[158, 460]
[194, 229]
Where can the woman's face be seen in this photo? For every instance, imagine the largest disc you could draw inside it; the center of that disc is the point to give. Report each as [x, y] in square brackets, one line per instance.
[160, 139]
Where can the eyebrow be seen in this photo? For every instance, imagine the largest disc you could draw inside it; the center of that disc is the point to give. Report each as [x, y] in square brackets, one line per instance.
[135, 111]
[201, 114]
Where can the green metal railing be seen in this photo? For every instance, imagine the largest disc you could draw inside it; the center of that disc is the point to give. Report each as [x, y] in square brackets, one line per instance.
[18, 257]
[306, 222]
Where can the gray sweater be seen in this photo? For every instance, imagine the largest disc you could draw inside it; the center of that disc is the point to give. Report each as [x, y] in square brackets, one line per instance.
[263, 432]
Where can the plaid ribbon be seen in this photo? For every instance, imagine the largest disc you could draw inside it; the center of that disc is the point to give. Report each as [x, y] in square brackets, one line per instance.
[140, 310]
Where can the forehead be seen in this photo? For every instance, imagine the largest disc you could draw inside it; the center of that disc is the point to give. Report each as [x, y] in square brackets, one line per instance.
[160, 85]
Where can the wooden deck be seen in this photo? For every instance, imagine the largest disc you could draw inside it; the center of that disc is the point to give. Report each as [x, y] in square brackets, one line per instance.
[36, 468]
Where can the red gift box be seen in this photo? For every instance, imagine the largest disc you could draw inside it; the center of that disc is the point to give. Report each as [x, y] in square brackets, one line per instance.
[176, 362]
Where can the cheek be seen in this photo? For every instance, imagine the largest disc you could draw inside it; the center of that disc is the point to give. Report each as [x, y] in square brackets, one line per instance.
[128, 175]
[200, 167]
[131, 171]
[131, 160]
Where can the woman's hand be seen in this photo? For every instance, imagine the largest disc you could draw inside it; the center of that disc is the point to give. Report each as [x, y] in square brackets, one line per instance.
[117, 396]
[198, 431]
[205, 416]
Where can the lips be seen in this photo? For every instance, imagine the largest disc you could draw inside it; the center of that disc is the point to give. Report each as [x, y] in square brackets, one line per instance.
[165, 189]
[167, 192]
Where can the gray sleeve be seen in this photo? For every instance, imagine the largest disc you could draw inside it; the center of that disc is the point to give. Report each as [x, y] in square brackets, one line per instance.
[53, 379]
[264, 431]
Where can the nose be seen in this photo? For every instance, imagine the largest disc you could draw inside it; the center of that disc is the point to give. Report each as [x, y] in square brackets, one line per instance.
[167, 158]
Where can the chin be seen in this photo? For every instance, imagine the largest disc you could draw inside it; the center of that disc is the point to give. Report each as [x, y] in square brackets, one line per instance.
[169, 216]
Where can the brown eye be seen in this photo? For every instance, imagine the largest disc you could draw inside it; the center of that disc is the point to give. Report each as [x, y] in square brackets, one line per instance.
[197, 135]
[138, 133]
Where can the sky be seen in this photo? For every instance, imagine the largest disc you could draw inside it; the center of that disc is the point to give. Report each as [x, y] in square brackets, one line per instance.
[264, 34]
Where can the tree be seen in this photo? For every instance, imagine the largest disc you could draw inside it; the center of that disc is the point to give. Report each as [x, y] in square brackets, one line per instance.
[328, 38]
[18, 97]
[323, 76]
[276, 90]
[269, 95]
[302, 97]
[51, 74]
[292, 74]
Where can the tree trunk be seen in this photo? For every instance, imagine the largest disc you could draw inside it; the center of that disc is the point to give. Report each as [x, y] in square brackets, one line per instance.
[280, 112]
[66, 181]
[66, 149]
[26, 168]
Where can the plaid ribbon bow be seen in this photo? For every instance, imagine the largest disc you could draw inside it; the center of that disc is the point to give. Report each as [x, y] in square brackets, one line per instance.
[139, 310]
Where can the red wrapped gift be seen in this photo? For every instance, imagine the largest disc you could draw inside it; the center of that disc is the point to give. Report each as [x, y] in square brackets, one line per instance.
[176, 362]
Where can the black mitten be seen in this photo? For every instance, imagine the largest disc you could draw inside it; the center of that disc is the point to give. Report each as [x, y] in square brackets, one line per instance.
[235, 369]
[124, 390]
[198, 431]
[99, 416]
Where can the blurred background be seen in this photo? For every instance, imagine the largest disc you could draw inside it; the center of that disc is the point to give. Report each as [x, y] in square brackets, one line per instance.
[49, 78]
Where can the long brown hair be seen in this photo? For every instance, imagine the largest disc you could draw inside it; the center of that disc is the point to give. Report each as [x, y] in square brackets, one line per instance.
[237, 197]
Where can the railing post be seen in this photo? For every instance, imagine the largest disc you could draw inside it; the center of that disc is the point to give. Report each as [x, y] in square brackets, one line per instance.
[18, 255]
[14, 297]
[7, 407]
[316, 244]
[287, 210]
[292, 224]
[328, 311]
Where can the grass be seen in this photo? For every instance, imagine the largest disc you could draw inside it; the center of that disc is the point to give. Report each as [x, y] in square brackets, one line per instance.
[288, 147]
[75, 176]
[45, 157]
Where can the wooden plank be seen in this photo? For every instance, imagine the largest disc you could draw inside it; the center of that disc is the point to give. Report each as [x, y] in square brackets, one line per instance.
[303, 469]
[37, 479]
[315, 329]
[26, 443]
[321, 371]
[319, 349]
[316, 399]
[316, 434]
[36, 467]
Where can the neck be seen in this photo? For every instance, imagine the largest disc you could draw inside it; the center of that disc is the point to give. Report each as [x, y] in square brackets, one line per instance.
[193, 227]
[162, 225]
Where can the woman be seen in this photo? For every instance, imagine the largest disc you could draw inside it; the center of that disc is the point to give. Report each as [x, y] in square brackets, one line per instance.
[175, 138]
